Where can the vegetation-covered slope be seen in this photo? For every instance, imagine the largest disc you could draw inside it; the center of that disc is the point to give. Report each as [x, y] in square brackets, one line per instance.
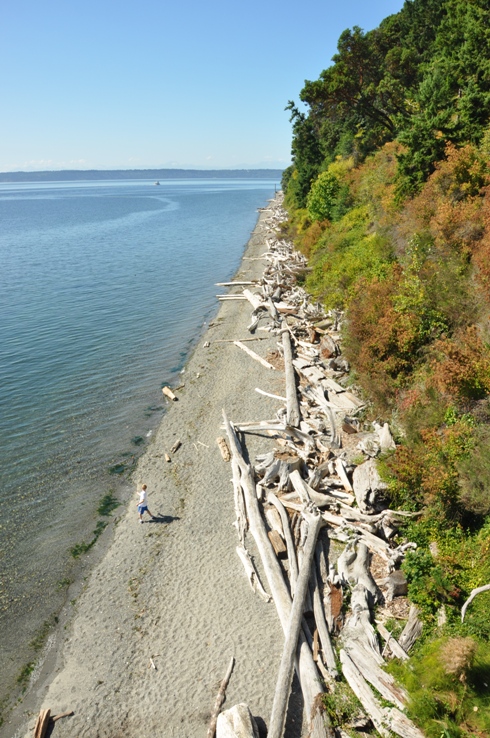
[389, 197]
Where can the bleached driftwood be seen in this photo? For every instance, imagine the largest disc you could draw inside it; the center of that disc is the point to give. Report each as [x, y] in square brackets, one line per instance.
[384, 720]
[252, 574]
[273, 311]
[283, 684]
[321, 625]
[226, 298]
[234, 283]
[307, 493]
[396, 585]
[386, 441]
[254, 300]
[274, 520]
[473, 594]
[293, 563]
[237, 722]
[363, 693]
[268, 394]
[392, 643]
[353, 567]
[367, 486]
[42, 723]
[220, 698]
[241, 522]
[168, 393]
[412, 629]
[326, 406]
[232, 340]
[374, 674]
[307, 671]
[340, 468]
[293, 412]
[253, 355]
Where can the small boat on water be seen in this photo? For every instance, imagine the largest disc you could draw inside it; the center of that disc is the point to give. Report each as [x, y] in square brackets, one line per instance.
[157, 182]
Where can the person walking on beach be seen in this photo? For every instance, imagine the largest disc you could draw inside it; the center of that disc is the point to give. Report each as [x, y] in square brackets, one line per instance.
[143, 503]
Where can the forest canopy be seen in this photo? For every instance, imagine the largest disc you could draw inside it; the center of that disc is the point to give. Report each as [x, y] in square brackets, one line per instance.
[421, 78]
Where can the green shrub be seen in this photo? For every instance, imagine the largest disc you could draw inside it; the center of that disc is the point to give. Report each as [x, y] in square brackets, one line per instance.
[346, 253]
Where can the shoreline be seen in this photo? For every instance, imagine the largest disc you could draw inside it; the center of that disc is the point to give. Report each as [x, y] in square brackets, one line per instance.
[174, 591]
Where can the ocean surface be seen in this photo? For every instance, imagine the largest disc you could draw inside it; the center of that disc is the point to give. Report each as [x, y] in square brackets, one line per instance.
[104, 289]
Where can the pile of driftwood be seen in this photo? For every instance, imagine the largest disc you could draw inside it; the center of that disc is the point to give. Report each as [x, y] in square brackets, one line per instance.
[316, 492]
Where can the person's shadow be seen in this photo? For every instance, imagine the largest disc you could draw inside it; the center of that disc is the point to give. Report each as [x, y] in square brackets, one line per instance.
[162, 519]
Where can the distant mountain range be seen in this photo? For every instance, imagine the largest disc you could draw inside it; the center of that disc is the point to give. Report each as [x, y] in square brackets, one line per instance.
[155, 174]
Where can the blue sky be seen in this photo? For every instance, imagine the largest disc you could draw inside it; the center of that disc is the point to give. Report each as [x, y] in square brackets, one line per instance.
[98, 84]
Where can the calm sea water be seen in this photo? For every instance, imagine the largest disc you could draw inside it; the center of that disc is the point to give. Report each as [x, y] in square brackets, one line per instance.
[104, 288]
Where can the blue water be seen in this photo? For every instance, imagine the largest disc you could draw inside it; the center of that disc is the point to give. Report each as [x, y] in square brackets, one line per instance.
[104, 288]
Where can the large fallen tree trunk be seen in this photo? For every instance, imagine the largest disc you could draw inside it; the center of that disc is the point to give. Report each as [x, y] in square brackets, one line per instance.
[385, 720]
[322, 628]
[293, 562]
[283, 685]
[293, 412]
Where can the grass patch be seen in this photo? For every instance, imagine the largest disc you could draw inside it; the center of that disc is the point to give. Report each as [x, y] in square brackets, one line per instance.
[447, 682]
[108, 504]
[64, 583]
[81, 548]
[39, 639]
[117, 469]
[25, 674]
[342, 706]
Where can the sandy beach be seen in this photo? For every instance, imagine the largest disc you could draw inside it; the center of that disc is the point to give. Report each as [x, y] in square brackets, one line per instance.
[173, 590]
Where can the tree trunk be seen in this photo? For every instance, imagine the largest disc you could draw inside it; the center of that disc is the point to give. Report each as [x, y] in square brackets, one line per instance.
[293, 411]
[283, 685]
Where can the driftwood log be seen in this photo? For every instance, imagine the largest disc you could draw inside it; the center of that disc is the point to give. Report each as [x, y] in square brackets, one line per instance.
[253, 355]
[473, 594]
[307, 672]
[237, 722]
[412, 629]
[293, 411]
[42, 723]
[309, 467]
[392, 643]
[251, 573]
[385, 720]
[321, 624]
[220, 698]
[293, 563]
[168, 393]
[283, 685]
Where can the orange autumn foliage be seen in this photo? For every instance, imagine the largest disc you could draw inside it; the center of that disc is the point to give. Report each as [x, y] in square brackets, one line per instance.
[449, 207]
[460, 366]
[382, 341]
